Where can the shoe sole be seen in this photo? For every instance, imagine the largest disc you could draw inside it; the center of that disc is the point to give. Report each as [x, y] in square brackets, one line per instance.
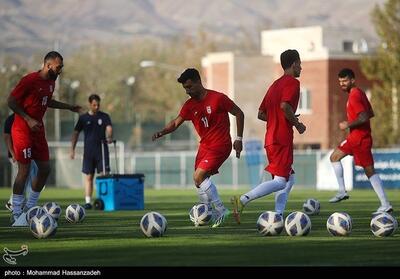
[342, 199]
[236, 214]
[9, 207]
[219, 224]
[20, 221]
[227, 213]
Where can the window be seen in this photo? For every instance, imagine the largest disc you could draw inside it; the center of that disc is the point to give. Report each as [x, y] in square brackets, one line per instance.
[304, 106]
[348, 46]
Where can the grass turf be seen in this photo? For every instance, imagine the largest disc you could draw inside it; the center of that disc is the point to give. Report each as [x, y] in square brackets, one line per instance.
[115, 239]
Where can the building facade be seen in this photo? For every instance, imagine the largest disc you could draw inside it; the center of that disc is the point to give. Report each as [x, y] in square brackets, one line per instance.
[323, 51]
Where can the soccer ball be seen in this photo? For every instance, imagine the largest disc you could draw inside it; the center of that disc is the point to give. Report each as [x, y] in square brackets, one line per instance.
[311, 207]
[34, 211]
[53, 209]
[43, 226]
[153, 224]
[270, 223]
[383, 224]
[297, 224]
[339, 224]
[200, 214]
[75, 213]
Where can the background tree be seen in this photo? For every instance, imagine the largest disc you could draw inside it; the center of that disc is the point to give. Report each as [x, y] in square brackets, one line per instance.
[384, 67]
[155, 96]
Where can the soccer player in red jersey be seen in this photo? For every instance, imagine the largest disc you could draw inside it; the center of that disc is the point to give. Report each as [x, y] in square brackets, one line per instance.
[29, 100]
[359, 140]
[278, 110]
[208, 110]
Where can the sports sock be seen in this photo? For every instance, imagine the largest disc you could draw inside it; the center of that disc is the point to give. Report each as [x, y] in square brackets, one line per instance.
[17, 204]
[32, 199]
[265, 188]
[338, 169]
[282, 195]
[88, 199]
[212, 193]
[203, 197]
[376, 183]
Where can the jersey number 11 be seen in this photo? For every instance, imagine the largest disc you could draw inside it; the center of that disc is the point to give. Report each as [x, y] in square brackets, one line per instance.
[205, 121]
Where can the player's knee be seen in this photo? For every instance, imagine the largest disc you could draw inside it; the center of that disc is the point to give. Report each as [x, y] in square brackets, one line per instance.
[45, 170]
[369, 171]
[198, 179]
[23, 173]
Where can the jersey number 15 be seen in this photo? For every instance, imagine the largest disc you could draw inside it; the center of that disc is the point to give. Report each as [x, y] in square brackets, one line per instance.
[27, 152]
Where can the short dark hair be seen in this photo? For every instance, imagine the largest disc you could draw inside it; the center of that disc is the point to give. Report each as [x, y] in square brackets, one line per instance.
[191, 74]
[94, 97]
[288, 57]
[346, 72]
[53, 55]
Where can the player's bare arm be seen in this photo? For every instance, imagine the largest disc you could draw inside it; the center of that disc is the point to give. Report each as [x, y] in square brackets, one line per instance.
[60, 105]
[33, 124]
[237, 144]
[291, 117]
[171, 126]
[361, 119]
[262, 116]
[109, 134]
[74, 140]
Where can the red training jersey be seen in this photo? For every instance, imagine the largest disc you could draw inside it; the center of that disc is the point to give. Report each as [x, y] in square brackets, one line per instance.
[33, 94]
[356, 103]
[210, 118]
[279, 130]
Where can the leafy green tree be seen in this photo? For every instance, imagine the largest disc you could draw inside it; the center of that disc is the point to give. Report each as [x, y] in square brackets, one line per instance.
[104, 69]
[384, 67]
[154, 96]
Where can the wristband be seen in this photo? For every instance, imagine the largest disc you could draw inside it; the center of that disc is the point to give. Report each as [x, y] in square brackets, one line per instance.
[239, 138]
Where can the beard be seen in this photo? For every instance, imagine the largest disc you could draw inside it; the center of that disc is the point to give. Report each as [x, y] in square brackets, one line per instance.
[346, 88]
[52, 74]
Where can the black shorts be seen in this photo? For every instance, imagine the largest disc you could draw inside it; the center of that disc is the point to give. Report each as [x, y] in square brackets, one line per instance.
[93, 160]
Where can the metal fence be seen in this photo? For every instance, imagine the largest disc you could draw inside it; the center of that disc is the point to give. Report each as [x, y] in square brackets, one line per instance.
[175, 169]
[165, 169]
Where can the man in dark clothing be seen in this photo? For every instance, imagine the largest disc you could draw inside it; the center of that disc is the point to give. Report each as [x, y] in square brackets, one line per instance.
[97, 129]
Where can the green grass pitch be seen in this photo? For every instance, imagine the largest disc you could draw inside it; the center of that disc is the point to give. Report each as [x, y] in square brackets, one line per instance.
[115, 238]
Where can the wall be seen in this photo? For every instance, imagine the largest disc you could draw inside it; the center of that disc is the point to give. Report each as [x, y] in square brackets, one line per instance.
[253, 76]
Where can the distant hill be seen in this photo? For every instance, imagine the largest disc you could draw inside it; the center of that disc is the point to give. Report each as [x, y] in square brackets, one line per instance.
[31, 25]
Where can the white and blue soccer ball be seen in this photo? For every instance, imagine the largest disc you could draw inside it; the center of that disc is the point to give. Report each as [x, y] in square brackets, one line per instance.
[383, 225]
[311, 207]
[34, 211]
[53, 209]
[43, 226]
[297, 224]
[339, 224]
[270, 223]
[200, 214]
[153, 224]
[75, 213]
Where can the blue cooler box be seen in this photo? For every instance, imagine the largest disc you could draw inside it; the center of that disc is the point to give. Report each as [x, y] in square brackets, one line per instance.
[121, 191]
